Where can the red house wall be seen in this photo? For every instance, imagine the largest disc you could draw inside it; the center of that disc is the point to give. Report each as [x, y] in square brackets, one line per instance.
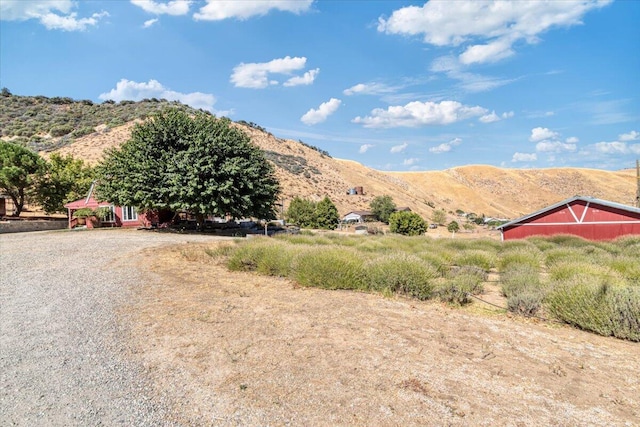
[593, 222]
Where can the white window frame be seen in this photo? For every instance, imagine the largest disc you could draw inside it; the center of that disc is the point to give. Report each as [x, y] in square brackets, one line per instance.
[112, 217]
[126, 212]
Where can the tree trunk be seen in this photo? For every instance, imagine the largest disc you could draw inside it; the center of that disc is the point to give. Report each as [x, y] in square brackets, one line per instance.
[200, 222]
[18, 202]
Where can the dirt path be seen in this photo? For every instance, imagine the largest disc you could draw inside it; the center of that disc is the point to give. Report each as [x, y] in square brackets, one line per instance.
[240, 349]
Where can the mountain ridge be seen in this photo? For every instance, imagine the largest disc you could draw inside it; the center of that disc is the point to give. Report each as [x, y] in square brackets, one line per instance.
[85, 130]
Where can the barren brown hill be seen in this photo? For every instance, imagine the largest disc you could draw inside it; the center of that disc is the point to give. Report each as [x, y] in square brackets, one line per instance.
[496, 192]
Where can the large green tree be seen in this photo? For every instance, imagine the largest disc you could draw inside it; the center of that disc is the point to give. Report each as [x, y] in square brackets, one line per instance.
[326, 214]
[382, 207]
[196, 163]
[62, 180]
[19, 168]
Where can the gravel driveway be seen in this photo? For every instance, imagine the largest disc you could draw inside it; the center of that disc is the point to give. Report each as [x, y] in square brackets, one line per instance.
[63, 348]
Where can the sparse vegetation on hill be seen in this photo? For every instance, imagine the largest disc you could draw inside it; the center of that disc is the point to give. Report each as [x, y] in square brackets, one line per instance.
[44, 124]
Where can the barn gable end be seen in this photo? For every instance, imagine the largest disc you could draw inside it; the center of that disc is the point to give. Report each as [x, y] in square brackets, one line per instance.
[586, 217]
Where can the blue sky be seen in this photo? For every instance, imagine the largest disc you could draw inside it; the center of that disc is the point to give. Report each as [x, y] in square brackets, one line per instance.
[395, 85]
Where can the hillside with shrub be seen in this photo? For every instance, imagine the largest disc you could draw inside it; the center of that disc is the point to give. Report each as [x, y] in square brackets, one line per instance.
[85, 129]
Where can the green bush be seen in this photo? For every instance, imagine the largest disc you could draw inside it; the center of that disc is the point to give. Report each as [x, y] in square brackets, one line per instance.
[526, 302]
[522, 286]
[245, 257]
[401, 273]
[518, 278]
[275, 260]
[60, 130]
[407, 223]
[592, 304]
[458, 289]
[529, 255]
[628, 267]
[329, 268]
[478, 258]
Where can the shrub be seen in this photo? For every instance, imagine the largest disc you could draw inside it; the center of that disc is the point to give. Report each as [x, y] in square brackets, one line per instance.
[518, 278]
[275, 260]
[61, 130]
[628, 267]
[407, 223]
[523, 289]
[529, 255]
[329, 268]
[478, 258]
[526, 302]
[591, 303]
[458, 289]
[401, 273]
[83, 213]
[570, 269]
[245, 258]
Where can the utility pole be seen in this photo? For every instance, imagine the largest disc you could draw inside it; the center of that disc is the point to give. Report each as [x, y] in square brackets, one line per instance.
[638, 183]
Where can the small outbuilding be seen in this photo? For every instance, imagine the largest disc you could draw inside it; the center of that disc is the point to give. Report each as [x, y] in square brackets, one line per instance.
[359, 216]
[118, 216]
[586, 217]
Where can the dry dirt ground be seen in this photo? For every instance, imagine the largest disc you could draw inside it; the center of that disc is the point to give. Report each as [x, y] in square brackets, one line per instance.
[242, 349]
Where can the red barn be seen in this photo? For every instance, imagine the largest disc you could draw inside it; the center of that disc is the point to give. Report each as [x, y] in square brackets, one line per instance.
[590, 218]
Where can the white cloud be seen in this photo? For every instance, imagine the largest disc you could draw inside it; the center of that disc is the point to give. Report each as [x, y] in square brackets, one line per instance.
[365, 147]
[617, 147]
[572, 140]
[255, 75]
[174, 7]
[487, 30]
[491, 52]
[548, 141]
[368, 89]
[306, 79]
[411, 161]
[490, 118]
[539, 134]
[631, 136]
[71, 22]
[53, 14]
[150, 22]
[418, 113]
[524, 157]
[470, 82]
[446, 146]
[554, 146]
[216, 10]
[326, 109]
[398, 148]
[134, 91]
[20, 10]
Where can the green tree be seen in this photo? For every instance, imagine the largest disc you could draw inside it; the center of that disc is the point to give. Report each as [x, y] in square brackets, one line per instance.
[407, 223]
[439, 216]
[382, 207]
[326, 214]
[453, 227]
[19, 168]
[196, 163]
[63, 179]
[302, 212]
